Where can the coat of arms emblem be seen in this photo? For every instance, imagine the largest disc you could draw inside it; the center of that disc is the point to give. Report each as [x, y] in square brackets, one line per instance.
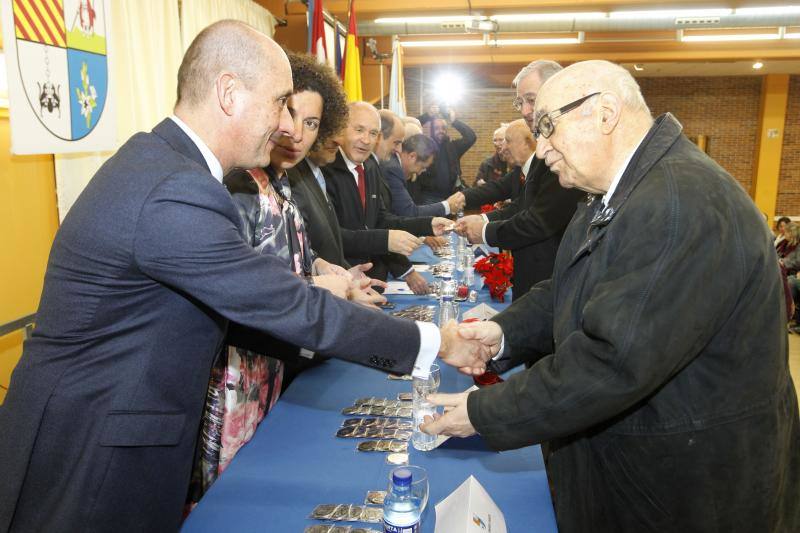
[62, 58]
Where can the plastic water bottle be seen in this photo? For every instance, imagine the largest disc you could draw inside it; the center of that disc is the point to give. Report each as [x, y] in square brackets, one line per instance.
[447, 309]
[401, 510]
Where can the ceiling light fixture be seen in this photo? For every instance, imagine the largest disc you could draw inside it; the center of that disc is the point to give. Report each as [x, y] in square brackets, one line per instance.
[455, 43]
[669, 13]
[535, 42]
[424, 20]
[549, 16]
[768, 10]
[729, 37]
[757, 65]
[638, 67]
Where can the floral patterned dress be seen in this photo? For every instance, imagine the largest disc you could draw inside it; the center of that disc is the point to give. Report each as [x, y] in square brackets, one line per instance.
[244, 385]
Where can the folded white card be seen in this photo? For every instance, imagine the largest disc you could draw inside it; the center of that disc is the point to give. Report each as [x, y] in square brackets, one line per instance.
[480, 311]
[469, 509]
[397, 287]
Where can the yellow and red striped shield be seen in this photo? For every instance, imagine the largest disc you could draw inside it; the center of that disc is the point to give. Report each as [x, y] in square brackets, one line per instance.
[40, 21]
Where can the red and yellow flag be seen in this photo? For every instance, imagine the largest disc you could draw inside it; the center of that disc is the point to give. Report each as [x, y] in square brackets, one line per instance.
[351, 64]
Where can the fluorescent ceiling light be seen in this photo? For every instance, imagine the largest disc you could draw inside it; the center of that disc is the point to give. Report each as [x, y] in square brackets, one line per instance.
[791, 35]
[669, 13]
[730, 37]
[550, 16]
[442, 44]
[534, 42]
[423, 20]
[768, 10]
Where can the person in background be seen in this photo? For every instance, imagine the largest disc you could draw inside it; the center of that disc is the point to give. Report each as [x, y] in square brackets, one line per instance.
[780, 235]
[416, 155]
[495, 166]
[443, 177]
[354, 185]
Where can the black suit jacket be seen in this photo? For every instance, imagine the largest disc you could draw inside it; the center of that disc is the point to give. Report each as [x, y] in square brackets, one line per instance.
[534, 232]
[101, 419]
[343, 193]
[508, 187]
[321, 223]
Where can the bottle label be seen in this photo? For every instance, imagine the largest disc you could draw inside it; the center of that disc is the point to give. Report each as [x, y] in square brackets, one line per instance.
[389, 528]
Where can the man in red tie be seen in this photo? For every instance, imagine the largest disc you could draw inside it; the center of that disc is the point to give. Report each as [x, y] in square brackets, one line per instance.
[354, 185]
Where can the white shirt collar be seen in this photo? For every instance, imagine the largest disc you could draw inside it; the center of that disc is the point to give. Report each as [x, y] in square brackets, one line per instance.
[527, 166]
[351, 166]
[313, 166]
[211, 160]
[607, 196]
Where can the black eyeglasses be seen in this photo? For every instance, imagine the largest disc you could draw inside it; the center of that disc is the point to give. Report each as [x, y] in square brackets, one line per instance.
[545, 126]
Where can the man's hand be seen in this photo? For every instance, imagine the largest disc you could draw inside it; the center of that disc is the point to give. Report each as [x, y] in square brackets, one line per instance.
[435, 242]
[457, 201]
[358, 271]
[361, 292]
[471, 227]
[440, 225]
[417, 283]
[454, 421]
[324, 268]
[468, 355]
[451, 115]
[402, 242]
[488, 333]
[479, 182]
[337, 285]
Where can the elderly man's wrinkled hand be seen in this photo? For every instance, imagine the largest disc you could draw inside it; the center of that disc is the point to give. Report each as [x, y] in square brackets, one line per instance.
[471, 227]
[455, 420]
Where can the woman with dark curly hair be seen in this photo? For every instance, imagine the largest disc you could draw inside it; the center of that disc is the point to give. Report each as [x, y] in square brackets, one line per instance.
[245, 384]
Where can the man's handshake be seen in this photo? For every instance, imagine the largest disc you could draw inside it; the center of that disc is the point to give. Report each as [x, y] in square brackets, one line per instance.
[470, 346]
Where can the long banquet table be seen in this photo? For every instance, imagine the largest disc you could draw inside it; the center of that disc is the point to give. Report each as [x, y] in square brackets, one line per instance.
[295, 462]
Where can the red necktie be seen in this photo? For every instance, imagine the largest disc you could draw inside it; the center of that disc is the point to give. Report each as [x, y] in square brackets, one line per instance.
[362, 186]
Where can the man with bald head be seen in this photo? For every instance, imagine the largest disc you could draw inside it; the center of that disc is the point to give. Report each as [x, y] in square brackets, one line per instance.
[665, 393]
[354, 184]
[101, 418]
[495, 166]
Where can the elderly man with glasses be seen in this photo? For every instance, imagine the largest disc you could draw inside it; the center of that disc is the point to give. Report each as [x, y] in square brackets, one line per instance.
[665, 394]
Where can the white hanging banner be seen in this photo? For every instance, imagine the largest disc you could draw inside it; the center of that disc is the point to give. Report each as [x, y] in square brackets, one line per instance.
[57, 58]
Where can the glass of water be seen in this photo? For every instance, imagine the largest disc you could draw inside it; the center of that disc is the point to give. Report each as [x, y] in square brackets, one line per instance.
[421, 408]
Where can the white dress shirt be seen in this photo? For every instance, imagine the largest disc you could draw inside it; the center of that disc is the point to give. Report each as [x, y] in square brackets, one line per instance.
[211, 160]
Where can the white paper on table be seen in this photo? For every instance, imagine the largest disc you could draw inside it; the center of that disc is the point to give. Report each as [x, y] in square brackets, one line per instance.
[397, 287]
[480, 311]
[469, 509]
[422, 268]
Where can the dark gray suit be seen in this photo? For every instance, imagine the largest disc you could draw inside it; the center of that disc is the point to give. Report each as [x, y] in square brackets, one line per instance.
[399, 200]
[102, 415]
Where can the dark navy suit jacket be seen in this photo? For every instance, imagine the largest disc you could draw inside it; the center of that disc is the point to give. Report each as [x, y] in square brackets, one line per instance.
[401, 202]
[99, 427]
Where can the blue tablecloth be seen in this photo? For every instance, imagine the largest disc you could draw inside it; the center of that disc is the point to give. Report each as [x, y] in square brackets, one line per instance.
[294, 461]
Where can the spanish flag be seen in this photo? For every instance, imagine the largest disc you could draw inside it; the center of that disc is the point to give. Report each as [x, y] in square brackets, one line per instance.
[351, 64]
